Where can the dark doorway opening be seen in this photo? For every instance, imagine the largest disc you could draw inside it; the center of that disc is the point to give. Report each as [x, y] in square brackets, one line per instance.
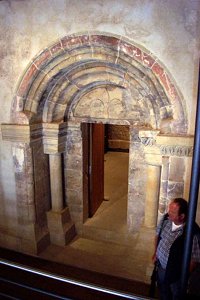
[105, 169]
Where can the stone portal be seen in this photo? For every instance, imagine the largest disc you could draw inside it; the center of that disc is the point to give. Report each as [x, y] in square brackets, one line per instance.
[93, 78]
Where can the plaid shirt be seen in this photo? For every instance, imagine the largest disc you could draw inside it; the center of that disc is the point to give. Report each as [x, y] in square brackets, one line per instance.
[167, 238]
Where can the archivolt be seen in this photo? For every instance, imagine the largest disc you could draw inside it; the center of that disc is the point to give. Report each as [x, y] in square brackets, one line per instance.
[75, 65]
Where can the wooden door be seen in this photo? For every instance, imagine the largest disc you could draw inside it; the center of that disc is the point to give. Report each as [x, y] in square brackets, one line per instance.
[93, 167]
[85, 127]
[97, 168]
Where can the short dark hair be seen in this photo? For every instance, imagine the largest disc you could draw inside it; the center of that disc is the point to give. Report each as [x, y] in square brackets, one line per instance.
[183, 206]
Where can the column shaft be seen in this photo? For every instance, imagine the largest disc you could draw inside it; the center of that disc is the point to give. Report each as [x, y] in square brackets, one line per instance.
[56, 182]
[152, 195]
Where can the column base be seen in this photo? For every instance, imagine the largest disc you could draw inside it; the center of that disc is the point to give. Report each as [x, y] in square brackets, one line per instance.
[26, 238]
[61, 228]
[36, 246]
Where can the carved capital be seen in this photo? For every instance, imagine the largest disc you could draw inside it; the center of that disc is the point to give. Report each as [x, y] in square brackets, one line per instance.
[147, 141]
[54, 137]
[148, 137]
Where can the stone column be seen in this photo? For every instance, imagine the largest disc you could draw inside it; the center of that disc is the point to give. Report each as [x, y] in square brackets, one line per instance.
[60, 225]
[31, 234]
[56, 181]
[61, 228]
[152, 195]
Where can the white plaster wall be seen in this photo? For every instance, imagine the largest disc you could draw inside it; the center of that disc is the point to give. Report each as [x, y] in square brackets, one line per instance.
[167, 28]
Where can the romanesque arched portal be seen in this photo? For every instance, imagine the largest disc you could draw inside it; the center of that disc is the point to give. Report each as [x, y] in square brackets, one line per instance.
[93, 78]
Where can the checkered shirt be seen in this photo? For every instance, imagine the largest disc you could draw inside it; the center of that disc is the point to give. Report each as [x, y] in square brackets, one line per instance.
[167, 238]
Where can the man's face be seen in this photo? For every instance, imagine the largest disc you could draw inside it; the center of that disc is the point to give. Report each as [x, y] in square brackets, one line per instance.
[174, 216]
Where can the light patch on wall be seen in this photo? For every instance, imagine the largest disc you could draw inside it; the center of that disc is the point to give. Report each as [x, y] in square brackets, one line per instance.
[18, 157]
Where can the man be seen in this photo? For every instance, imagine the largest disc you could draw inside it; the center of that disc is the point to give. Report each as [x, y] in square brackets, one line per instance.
[169, 250]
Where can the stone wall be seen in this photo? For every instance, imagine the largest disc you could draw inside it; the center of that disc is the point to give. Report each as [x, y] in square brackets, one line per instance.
[64, 63]
[118, 138]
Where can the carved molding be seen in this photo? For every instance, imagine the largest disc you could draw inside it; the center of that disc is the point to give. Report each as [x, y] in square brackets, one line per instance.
[54, 137]
[148, 137]
[21, 133]
[52, 134]
[176, 150]
[167, 145]
[147, 141]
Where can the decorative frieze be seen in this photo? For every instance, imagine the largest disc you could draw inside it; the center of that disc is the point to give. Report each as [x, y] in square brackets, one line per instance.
[176, 150]
[181, 146]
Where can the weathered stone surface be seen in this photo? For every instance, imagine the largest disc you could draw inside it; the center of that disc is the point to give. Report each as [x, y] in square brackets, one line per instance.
[73, 197]
[62, 230]
[54, 137]
[74, 178]
[177, 169]
[163, 189]
[175, 189]
[73, 162]
[49, 75]
[165, 168]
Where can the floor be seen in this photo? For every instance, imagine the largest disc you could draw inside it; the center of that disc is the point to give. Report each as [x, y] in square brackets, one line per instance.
[106, 246]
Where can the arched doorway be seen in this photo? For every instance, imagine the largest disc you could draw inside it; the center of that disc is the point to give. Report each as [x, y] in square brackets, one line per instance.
[90, 78]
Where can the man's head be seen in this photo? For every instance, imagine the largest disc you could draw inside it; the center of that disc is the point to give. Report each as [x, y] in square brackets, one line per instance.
[177, 211]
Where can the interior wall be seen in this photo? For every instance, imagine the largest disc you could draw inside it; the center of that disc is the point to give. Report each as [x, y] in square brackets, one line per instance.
[29, 27]
[118, 138]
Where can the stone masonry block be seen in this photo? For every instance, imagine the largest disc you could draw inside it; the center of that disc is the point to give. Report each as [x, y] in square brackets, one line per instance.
[175, 189]
[176, 169]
